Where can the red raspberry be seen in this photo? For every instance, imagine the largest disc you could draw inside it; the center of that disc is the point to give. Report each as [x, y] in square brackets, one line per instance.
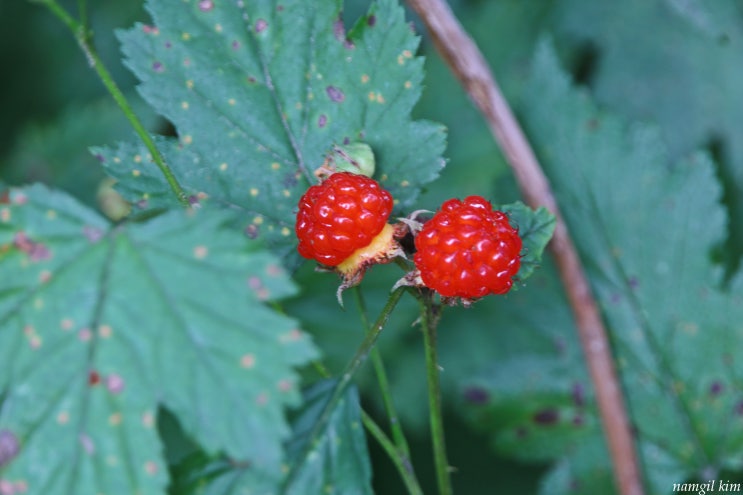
[340, 216]
[468, 250]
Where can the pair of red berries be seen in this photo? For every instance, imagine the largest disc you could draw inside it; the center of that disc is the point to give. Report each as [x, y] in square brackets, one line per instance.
[467, 250]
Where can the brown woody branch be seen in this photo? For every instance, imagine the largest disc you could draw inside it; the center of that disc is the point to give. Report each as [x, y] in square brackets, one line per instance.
[470, 67]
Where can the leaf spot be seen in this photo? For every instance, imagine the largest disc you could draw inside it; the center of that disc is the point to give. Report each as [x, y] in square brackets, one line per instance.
[92, 234]
[66, 324]
[94, 378]
[206, 5]
[380, 98]
[114, 383]
[407, 54]
[364, 78]
[20, 199]
[546, 417]
[253, 192]
[293, 335]
[476, 395]
[187, 139]
[218, 28]
[262, 399]
[252, 231]
[716, 388]
[285, 385]
[148, 419]
[371, 20]
[408, 85]
[5, 215]
[189, 84]
[184, 105]
[286, 193]
[260, 25]
[235, 45]
[115, 419]
[136, 173]
[231, 102]
[372, 96]
[247, 361]
[105, 331]
[400, 60]
[285, 231]
[87, 444]
[275, 166]
[223, 166]
[335, 94]
[51, 214]
[274, 270]
[158, 67]
[200, 252]
[186, 36]
[150, 468]
[150, 30]
[322, 120]
[63, 418]
[9, 446]
[84, 334]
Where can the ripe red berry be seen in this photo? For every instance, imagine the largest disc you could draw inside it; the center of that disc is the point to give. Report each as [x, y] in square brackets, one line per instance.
[468, 250]
[340, 216]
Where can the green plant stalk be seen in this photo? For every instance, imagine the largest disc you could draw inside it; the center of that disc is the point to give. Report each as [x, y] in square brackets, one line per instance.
[83, 38]
[345, 380]
[384, 385]
[429, 322]
[393, 452]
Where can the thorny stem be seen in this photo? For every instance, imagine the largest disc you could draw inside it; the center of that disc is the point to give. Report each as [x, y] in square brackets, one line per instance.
[429, 322]
[344, 381]
[468, 64]
[84, 39]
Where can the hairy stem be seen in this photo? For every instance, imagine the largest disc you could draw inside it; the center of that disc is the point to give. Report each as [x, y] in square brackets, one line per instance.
[467, 63]
[84, 40]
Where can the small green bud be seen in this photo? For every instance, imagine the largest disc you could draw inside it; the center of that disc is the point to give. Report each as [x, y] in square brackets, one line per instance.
[357, 158]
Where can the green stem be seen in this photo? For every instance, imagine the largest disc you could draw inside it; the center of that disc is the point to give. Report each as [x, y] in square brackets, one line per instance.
[343, 383]
[83, 38]
[397, 433]
[402, 465]
[429, 321]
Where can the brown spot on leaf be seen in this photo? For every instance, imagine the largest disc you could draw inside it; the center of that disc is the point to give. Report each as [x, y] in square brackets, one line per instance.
[322, 120]
[9, 447]
[371, 20]
[335, 94]
[36, 251]
[206, 5]
[546, 417]
[476, 395]
[260, 25]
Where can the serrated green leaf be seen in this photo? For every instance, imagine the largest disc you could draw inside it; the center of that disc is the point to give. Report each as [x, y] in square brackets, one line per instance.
[99, 324]
[535, 228]
[338, 462]
[676, 63]
[645, 228]
[260, 91]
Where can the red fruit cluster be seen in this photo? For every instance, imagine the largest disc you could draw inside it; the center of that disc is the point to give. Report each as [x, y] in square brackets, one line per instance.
[339, 216]
[468, 250]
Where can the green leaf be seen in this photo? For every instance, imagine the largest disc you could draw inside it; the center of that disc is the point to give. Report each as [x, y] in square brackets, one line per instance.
[260, 91]
[645, 227]
[535, 228]
[687, 56]
[100, 324]
[338, 462]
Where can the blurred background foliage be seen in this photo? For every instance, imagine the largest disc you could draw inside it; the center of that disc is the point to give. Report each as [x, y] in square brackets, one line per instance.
[675, 63]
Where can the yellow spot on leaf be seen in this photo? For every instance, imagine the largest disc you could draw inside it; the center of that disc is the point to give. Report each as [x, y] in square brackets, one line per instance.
[105, 331]
[63, 417]
[258, 220]
[189, 84]
[114, 419]
[222, 167]
[285, 231]
[5, 215]
[400, 60]
[137, 159]
[187, 139]
[117, 159]
[218, 28]
[247, 361]
[407, 54]
[232, 102]
[51, 214]
[298, 105]
[148, 419]
[364, 78]
[253, 192]
[45, 276]
[136, 173]
[380, 98]
[184, 105]
[186, 36]
[291, 336]
[404, 183]
[408, 85]
[66, 324]
[275, 166]
[35, 341]
[200, 252]
[286, 193]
